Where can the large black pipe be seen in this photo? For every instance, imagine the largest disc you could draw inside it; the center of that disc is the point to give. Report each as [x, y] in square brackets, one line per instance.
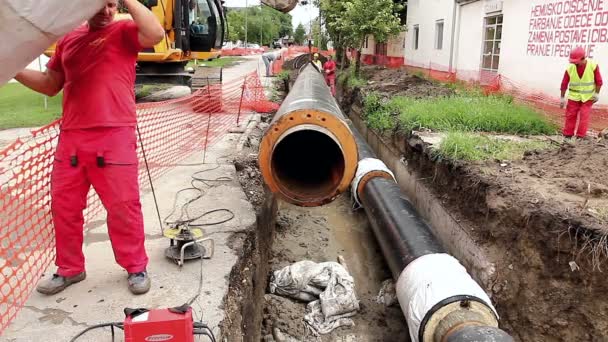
[398, 227]
[308, 155]
[404, 238]
[402, 234]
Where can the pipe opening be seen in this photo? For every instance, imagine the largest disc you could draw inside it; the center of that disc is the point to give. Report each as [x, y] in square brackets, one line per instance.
[308, 163]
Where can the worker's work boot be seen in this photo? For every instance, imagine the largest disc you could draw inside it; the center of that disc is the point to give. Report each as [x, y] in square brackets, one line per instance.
[139, 283]
[58, 283]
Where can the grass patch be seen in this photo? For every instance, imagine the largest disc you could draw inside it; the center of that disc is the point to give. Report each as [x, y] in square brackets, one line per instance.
[221, 62]
[349, 79]
[600, 212]
[283, 75]
[143, 90]
[378, 115]
[470, 114]
[21, 107]
[475, 147]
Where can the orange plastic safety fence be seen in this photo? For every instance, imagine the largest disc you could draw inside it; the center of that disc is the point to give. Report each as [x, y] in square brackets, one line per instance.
[387, 61]
[170, 131]
[242, 51]
[293, 52]
[494, 83]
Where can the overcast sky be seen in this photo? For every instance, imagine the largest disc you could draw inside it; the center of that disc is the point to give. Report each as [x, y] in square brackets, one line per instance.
[301, 14]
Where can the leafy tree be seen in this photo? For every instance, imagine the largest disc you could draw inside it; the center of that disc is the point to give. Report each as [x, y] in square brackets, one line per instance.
[263, 25]
[319, 35]
[299, 35]
[350, 21]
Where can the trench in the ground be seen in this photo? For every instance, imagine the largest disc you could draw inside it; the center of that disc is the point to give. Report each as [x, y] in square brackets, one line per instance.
[288, 234]
[322, 234]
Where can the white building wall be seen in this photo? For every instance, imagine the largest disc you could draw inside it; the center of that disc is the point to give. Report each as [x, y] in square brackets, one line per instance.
[532, 63]
[426, 14]
[395, 46]
[542, 69]
[370, 49]
[469, 36]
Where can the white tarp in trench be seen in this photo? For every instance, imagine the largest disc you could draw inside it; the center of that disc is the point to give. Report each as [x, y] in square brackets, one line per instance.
[28, 27]
[327, 286]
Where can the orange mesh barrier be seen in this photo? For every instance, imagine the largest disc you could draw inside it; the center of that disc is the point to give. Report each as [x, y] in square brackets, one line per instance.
[170, 131]
[295, 51]
[494, 83]
[387, 61]
[242, 51]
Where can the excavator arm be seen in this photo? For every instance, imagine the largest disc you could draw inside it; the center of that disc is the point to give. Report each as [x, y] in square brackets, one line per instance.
[281, 5]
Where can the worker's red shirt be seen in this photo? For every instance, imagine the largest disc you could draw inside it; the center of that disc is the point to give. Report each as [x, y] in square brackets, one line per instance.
[330, 67]
[99, 71]
[580, 69]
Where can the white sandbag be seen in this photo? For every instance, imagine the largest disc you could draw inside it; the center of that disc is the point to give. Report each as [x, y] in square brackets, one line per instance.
[29, 27]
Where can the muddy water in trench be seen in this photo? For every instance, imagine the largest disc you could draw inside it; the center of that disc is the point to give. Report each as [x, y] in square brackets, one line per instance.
[322, 234]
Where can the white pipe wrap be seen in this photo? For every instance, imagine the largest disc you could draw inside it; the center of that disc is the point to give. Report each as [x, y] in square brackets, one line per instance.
[429, 280]
[31, 26]
[364, 167]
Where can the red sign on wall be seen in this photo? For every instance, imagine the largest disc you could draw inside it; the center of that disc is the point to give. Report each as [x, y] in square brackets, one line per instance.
[557, 27]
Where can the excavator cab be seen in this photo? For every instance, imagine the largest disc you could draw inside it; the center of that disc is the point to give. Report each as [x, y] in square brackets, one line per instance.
[195, 30]
[206, 25]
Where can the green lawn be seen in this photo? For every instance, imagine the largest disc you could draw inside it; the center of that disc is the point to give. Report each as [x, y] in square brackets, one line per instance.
[458, 113]
[21, 107]
[475, 147]
[463, 117]
[221, 62]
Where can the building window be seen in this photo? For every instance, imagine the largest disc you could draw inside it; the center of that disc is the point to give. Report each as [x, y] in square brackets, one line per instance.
[491, 44]
[366, 42]
[439, 35]
[416, 35]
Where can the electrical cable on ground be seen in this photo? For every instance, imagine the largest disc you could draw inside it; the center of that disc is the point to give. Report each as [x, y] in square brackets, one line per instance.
[143, 151]
[112, 325]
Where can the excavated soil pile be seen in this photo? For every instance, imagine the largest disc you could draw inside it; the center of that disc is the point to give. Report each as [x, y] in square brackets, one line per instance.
[398, 82]
[537, 219]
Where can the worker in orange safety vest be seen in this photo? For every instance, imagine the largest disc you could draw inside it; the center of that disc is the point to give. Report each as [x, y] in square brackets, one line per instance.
[583, 82]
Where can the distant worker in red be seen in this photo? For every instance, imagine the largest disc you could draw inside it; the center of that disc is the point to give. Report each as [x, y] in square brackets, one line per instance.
[583, 82]
[330, 74]
[95, 67]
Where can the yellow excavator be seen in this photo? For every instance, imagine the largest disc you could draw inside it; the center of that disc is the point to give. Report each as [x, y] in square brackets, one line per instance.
[195, 30]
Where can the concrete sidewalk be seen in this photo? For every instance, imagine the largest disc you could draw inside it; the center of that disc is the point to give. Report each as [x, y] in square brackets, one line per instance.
[104, 294]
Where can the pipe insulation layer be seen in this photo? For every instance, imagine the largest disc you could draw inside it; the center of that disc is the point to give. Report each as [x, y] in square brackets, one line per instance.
[434, 286]
[437, 296]
[31, 26]
[308, 155]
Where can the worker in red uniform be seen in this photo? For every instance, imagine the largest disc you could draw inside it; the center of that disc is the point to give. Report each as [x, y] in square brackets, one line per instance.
[330, 73]
[95, 67]
[583, 81]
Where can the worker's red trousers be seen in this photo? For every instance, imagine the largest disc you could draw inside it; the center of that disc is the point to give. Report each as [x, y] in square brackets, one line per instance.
[331, 82]
[577, 110]
[79, 163]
